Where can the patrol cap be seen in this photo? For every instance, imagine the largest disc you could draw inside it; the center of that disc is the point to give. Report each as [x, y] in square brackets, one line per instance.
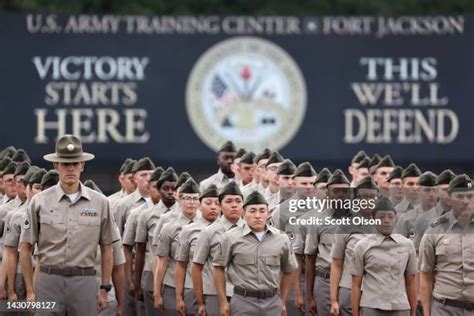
[4, 163]
[383, 204]
[255, 198]
[91, 185]
[305, 169]
[338, 177]
[411, 171]
[36, 177]
[240, 153]
[10, 168]
[427, 179]
[22, 169]
[364, 163]
[460, 183]
[124, 164]
[358, 157]
[395, 174]
[275, 157]
[230, 188]
[129, 167]
[189, 187]
[156, 174]
[445, 177]
[68, 149]
[228, 146]
[50, 178]
[323, 176]
[31, 171]
[287, 168]
[373, 163]
[8, 152]
[182, 178]
[367, 183]
[265, 154]
[21, 156]
[386, 161]
[168, 175]
[209, 192]
[144, 163]
[248, 158]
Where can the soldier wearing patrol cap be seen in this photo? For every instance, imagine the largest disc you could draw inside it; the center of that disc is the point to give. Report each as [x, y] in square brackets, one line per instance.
[207, 247]
[121, 178]
[285, 180]
[210, 211]
[272, 192]
[346, 238]
[235, 164]
[382, 172]
[424, 220]
[319, 241]
[426, 186]
[395, 185]
[259, 261]
[388, 285]
[358, 157]
[116, 296]
[225, 158]
[261, 177]
[446, 256]
[374, 161]
[167, 294]
[147, 223]
[68, 222]
[16, 287]
[410, 176]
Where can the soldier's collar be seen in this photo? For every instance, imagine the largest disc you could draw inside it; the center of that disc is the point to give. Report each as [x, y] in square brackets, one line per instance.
[221, 175]
[227, 225]
[246, 230]
[83, 192]
[393, 236]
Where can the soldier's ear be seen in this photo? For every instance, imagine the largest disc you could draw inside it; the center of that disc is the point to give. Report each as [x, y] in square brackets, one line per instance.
[82, 166]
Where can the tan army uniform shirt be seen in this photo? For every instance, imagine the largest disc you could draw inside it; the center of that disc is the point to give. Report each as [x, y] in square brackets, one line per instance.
[255, 265]
[130, 232]
[122, 207]
[68, 233]
[219, 179]
[14, 220]
[208, 248]
[383, 262]
[6, 209]
[447, 250]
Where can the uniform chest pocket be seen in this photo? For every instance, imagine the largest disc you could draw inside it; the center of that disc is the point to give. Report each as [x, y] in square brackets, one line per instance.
[244, 260]
[51, 219]
[89, 221]
[272, 260]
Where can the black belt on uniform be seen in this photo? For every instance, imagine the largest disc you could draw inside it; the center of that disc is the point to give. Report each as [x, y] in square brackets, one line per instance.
[323, 274]
[257, 294]
[455, 303]
[68, 271]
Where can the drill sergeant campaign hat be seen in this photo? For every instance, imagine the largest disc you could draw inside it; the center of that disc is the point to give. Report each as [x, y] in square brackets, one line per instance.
[427, 179]
[323, 176]
[230, 188]
[189, 187]
[50, 178]
[445, 177]
[275, 157]
[338, 177]
[411, 171]
[210, 191]
[460, 183]
[22, 169]
[183, 177]
[168, 175]
[155, 176]
[68, 150]
[395, 174]
[144, 163]
[255, 198]
[21, 156]
[287, 168]
[305, 169]
[228, 146]
[91, 185]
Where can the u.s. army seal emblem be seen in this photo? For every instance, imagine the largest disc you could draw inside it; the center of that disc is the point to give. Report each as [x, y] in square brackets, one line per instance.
[247, 90]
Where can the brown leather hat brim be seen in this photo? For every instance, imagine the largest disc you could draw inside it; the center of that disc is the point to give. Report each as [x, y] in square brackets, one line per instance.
[55, 158]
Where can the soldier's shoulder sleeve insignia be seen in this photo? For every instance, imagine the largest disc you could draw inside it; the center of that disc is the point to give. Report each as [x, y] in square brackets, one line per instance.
[26, 223]
[291, 235]
[270, 222]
